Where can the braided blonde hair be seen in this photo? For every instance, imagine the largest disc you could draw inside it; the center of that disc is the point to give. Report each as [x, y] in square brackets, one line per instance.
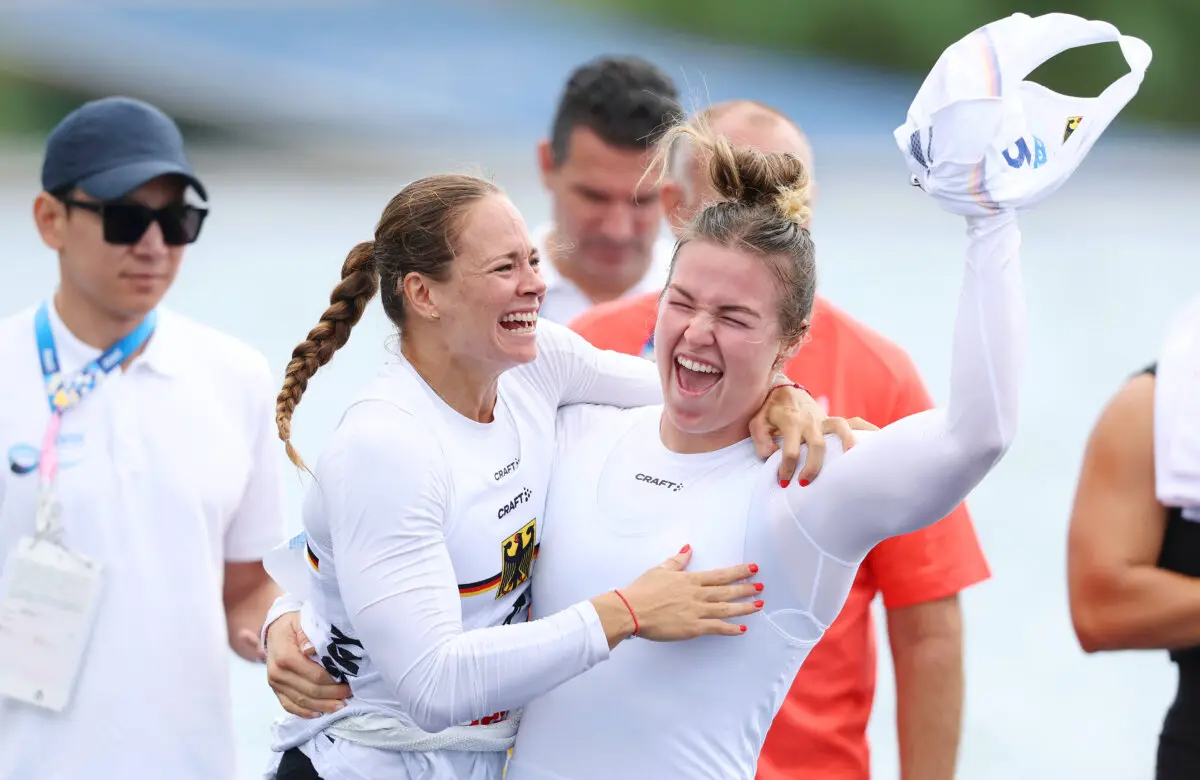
[416, 234]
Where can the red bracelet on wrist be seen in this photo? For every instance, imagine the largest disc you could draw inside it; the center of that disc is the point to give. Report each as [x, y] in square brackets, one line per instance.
[796, 385]
[631, 614]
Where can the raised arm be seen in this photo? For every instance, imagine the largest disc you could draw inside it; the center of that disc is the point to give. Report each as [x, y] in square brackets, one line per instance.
[916, 470]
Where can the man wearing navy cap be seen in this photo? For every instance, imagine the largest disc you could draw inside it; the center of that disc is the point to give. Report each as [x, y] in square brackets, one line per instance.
[141, 485]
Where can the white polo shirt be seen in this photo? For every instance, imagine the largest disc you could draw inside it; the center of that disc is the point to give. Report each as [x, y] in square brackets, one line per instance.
[564, 299]
[167, 471]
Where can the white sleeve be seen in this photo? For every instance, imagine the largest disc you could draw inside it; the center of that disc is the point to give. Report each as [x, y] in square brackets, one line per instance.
[385, 495]
[570, 370]
[257, 524]
[916, 470]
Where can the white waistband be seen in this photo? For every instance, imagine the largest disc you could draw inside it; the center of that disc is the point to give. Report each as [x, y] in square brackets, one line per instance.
[386, 733]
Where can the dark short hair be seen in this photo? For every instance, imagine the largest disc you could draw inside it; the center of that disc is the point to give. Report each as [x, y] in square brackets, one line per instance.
[629, 102]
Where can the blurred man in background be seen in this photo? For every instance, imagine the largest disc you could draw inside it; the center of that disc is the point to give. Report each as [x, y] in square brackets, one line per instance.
[142, 477]
[821, 731]
[601, 244]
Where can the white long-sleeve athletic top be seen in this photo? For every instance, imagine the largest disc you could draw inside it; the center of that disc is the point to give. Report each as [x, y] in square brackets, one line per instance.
[422, 530]
[620, 502]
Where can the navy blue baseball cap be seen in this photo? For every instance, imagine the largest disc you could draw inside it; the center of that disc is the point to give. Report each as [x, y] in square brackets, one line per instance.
[110, 147]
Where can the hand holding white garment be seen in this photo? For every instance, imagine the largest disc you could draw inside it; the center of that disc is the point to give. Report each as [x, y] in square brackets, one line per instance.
[980, 138]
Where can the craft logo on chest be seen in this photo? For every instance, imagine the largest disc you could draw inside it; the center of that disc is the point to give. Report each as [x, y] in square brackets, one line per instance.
[520, 498]
[674, 487]
[504, 472]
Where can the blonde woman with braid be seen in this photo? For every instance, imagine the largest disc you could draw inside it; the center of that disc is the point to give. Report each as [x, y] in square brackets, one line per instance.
[426, 511]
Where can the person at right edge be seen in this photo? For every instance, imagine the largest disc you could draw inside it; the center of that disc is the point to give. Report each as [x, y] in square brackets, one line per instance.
[1133, 553]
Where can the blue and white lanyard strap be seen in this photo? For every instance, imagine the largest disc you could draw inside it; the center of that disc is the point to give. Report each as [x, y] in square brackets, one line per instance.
[63, 393]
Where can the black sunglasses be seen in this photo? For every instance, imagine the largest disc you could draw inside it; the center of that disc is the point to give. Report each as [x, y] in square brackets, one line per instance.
[126, 223]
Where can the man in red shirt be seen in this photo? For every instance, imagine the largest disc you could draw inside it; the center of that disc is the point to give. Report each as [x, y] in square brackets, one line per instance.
[821, 730]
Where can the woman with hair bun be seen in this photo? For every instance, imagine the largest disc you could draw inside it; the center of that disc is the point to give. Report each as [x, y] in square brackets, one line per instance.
[630, 485]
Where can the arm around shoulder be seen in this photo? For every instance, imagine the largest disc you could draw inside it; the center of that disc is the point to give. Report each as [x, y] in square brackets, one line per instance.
[574, 371]
[387, 493]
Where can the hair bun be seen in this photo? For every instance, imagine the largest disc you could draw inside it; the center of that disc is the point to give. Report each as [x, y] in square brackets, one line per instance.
[794, 203]
[748, 176]
[744, 175]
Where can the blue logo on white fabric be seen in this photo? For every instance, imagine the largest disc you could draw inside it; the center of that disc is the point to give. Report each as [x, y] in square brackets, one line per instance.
[1024, 156]
[24, 458]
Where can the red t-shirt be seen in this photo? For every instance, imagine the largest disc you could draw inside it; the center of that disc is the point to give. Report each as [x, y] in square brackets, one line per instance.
[821, 730]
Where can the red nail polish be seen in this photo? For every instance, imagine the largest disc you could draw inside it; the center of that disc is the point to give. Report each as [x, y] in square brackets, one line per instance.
[784, 483]
[743, 628]
[686, 547]
[804, 483]
[754, 568]
[759, 604]
[758, 587]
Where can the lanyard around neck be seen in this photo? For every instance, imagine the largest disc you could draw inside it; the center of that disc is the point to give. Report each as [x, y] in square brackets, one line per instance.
[63, 393]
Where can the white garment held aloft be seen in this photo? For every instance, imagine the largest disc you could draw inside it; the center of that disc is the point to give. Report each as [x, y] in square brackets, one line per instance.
[981, 138]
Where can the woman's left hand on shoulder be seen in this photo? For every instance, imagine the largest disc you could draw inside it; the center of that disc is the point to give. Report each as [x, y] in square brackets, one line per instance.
[795, 417]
